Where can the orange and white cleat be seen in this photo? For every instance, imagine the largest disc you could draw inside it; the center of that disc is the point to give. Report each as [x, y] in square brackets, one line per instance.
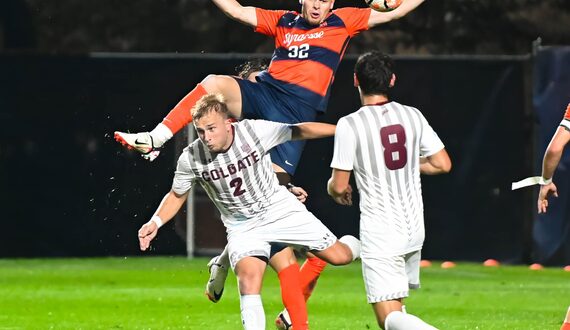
[141, 142]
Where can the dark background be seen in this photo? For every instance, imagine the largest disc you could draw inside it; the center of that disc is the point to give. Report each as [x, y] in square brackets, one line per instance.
[72, 72]
[436, 27]
[72, 191]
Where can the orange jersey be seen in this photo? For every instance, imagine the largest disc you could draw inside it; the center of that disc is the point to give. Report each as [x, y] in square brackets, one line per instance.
[306, 56]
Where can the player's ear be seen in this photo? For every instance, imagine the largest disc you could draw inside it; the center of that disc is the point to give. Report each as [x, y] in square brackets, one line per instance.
[392, 80]
[355, 81]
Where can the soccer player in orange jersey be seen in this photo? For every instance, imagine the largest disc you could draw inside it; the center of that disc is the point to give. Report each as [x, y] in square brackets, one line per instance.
[308, 48]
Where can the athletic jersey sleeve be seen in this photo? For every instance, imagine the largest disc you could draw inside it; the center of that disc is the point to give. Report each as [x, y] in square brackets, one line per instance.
[430, 143]
[355, 19]
[344, 146]
[566, 120]
[267, 21]
[271, 133]
[183, 176]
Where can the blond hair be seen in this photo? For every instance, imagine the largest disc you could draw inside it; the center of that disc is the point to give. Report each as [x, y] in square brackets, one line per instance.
[210, 102]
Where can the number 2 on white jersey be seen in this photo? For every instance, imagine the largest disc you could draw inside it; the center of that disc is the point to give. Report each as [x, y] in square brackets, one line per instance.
[236, 184]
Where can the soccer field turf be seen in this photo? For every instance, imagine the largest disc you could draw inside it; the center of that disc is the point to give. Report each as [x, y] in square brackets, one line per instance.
[168, 293]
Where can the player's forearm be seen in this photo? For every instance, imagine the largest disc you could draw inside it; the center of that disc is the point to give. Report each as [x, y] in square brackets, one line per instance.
[236, 11]
[170, 205]
[406, 7]
[550, 162]
[428, 169]
[438, 163]
[312, 130]
[554, 152]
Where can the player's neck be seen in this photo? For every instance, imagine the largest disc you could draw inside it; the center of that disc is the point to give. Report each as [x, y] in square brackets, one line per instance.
[230, 140]
[373, 99]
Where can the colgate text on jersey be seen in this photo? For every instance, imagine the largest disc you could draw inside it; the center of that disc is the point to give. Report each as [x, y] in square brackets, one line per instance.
[231, 169]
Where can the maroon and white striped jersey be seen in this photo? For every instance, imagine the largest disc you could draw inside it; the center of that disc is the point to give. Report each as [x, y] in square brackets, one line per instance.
[382, 144]
[241, 181]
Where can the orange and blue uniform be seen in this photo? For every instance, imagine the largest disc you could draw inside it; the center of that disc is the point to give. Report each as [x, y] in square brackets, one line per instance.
[296, 85]
[306, 57]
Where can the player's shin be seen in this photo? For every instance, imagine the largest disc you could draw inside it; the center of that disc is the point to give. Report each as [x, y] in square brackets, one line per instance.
[293, 297]
[310, 272]
[181, 115]
[252, 314]
[400, 321]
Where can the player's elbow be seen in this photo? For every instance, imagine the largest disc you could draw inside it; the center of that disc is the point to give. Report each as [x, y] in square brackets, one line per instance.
[335, 188]
[554, 149]
[441, 161]
[446, 166]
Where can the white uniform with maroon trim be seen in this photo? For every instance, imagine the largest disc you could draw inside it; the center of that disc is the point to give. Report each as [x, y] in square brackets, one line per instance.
[382, 144]
[254, 208]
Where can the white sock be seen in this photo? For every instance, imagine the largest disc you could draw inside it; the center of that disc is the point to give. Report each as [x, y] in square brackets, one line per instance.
[400, 321]
[252, 314]
[353, 244]
[160, 134]
[224, 258]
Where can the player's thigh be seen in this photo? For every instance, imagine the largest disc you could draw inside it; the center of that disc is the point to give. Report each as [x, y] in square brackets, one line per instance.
[385, 278]
[336, 254]
[290, 223]
[413, 260]
[248, 244]
[229, 88]
[249, 272]
[288, 155]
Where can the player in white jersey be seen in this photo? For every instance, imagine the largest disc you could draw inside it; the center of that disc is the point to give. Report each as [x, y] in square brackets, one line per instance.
[230, 161]
[387, 145]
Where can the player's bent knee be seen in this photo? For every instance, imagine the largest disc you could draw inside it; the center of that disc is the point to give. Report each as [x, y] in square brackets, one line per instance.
[336, 256]
[249, 283]
[212, 83]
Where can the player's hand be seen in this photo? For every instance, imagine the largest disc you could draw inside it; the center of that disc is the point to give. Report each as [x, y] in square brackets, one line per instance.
[146, 234]
[300, 193]
[346, 197]
[545, 192]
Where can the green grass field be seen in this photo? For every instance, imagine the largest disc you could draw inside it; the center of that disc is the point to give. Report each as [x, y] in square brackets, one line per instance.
[168, 293]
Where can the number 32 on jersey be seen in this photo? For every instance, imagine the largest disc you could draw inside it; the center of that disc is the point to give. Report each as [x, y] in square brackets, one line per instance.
[301, 51]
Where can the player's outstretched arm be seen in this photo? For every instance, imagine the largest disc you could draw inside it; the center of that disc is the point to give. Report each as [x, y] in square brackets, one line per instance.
[554, 152]
[236, 11]
[311, 130]
[170, 205]
[407, 6]
[437, 163]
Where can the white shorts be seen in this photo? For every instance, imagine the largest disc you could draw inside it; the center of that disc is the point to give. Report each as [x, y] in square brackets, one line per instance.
[299, 229]
[389, 278]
